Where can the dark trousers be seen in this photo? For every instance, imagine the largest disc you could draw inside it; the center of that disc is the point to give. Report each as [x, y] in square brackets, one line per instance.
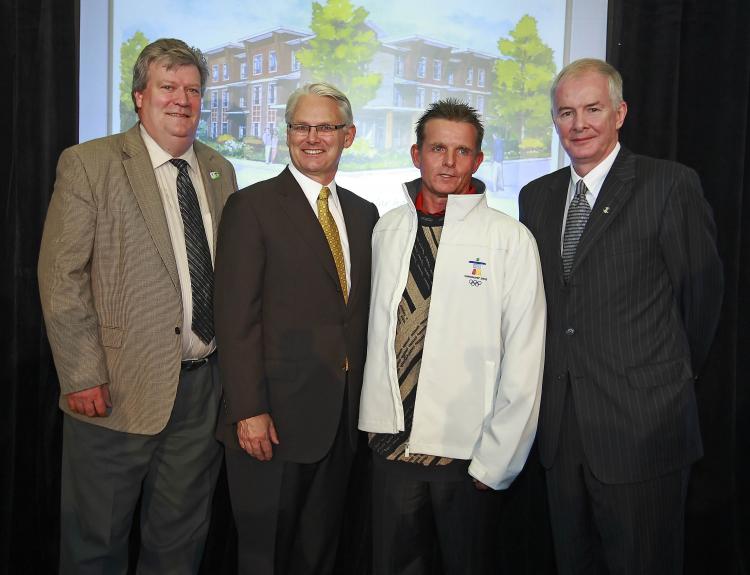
[614, 529]
[430, 527]
[104, 472]
[288, 515]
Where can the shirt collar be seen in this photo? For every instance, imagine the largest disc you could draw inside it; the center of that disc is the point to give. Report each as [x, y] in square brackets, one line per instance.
[310, 187]
[159, 156]
[595, 178]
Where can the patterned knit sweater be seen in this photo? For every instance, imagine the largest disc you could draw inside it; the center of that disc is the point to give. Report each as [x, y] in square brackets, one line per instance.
[411, 327]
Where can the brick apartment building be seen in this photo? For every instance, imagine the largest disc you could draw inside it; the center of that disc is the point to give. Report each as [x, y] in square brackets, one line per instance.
[251, 79]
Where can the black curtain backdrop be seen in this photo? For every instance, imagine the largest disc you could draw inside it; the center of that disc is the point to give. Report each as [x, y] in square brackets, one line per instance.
[686, 66]
[686, 71]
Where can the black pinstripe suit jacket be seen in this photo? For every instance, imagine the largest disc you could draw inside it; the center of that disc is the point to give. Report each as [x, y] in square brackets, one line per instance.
[636, 319]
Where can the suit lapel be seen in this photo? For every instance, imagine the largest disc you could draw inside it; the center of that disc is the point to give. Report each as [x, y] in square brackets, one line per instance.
[212, 182]
[137, 164]
[303, 219]
[615, 192]
[358, 242]
[557, 196]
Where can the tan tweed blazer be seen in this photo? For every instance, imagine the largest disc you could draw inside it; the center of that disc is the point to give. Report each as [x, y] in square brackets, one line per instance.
[108, 280]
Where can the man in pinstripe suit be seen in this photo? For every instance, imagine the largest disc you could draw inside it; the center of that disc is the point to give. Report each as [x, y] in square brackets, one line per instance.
[125, 277]
[633, 283]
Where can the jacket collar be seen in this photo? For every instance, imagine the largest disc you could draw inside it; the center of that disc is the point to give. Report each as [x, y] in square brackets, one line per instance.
[411, 189]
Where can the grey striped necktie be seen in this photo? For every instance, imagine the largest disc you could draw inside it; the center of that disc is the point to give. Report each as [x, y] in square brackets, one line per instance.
[198, 254]
[578, 215]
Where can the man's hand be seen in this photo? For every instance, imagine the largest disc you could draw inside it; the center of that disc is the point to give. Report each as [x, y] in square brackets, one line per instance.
[256, 434]
[92, 402]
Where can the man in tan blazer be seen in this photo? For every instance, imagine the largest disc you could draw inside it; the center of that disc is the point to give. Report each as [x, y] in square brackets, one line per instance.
[126, 282]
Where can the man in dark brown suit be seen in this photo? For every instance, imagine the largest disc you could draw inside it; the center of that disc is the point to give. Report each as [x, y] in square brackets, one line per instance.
[292, 295]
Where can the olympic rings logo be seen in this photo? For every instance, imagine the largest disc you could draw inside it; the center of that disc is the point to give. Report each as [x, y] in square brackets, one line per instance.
[475, 283]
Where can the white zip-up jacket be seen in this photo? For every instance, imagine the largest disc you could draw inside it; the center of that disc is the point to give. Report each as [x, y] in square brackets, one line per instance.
[480, 381]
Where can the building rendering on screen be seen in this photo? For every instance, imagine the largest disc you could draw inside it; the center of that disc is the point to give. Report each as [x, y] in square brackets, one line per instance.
[251, 79]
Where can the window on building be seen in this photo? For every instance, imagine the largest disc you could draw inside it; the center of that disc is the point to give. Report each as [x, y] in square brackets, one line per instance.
[399, 66]
[255, 129]
[214, 130]
[258, 64]
[271, 94]
[420, 98]
[257, 95]
[224, 127]
[214, 99]
[450, 78]
[243, 71]
[437, 69]
[295, 62]
[242, 131]
[272, 61]
[435, 96]
[469, 76]
[480, 77]
[480, 104]
[398, 98]
[242, 101]
[224, 100]
[421, 67]
[215, 72]
[271, 119]
[225, 71]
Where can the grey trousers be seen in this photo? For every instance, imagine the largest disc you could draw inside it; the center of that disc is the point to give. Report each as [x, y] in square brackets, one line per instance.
[104, 472]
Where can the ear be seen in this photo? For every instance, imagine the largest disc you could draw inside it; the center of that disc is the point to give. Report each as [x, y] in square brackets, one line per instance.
[415, 157]
[621, 112]
[138, 99]
[477, 162]
[349, 134]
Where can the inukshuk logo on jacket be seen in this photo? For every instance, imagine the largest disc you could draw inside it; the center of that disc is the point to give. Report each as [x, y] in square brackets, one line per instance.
[476, 278]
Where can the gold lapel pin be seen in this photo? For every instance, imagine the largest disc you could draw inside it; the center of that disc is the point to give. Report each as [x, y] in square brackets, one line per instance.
[605, 210]
[215, 175]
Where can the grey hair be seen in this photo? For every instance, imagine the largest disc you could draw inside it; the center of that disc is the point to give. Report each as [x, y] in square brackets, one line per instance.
[172, 53]
[584, 65]
[322, 89]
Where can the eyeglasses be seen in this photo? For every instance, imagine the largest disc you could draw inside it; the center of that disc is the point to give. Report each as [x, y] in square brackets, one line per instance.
[304, 129]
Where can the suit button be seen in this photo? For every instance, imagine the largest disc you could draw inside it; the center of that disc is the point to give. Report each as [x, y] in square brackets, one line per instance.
[570, 331]
[177, 330]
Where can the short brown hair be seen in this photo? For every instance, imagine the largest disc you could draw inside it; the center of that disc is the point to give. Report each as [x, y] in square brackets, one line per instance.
[450, 109]
[171, 52]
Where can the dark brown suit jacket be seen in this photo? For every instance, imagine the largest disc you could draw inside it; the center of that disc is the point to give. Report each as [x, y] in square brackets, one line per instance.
[282, 327]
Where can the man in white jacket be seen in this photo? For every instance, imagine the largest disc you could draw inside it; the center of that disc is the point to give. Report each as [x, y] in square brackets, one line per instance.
[455, 353]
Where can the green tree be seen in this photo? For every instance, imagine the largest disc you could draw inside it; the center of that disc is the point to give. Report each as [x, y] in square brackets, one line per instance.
[342, 49]
[129, 52]
[522, 81]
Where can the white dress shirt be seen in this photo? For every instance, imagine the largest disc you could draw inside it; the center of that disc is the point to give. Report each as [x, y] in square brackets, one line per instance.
[166, 179]
[311, 189]
[593, 180]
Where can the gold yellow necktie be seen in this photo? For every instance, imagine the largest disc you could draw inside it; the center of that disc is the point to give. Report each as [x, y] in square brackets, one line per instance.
[332, 235]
